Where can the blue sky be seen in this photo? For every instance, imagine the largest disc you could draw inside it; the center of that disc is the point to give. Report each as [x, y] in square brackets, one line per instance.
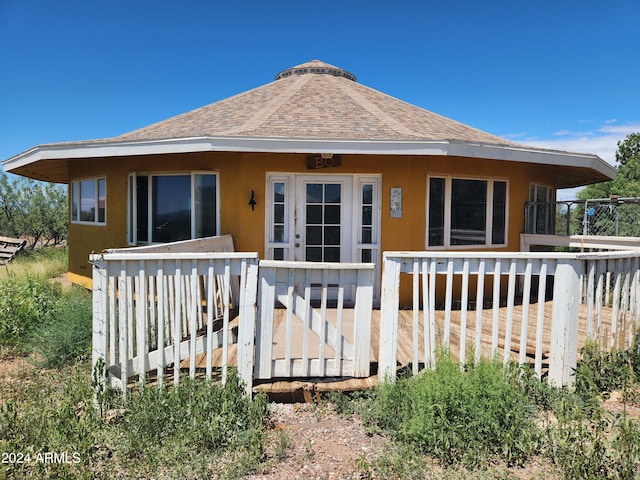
[562, 74]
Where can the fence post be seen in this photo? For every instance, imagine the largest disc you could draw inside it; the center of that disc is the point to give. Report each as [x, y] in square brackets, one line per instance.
[246, 327]
[389, 300]
[564, 322]
[362, 323]
[99, 328]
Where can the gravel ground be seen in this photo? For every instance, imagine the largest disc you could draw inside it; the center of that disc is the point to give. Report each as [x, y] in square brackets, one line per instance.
[309, 441]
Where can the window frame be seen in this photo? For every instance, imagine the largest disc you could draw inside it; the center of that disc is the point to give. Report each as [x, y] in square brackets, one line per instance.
[488, 227]
[76, 195]
[132, 203]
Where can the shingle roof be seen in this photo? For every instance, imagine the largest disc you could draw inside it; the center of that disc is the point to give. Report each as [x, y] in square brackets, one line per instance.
[313, 100]
[310, 108]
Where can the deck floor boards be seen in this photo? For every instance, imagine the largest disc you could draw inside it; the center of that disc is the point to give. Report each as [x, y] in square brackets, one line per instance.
[405, 343]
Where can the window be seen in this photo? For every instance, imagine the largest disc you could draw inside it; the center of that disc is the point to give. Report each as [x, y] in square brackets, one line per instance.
[279, 233]
[541, 210]
[172, 207]
[89, 201]
[463, 212]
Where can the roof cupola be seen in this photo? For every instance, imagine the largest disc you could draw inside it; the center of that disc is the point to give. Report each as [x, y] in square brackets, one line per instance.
[317, 67]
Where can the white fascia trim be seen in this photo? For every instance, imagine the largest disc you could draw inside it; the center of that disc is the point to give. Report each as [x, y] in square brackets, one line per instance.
[311, 146]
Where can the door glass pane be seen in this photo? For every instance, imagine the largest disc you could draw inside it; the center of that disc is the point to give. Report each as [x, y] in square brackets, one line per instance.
[332, 214]
[278, 192]
[468, 212]
[314, 235]
[367, 194]
[322, 221]
[436, 212]
[332, 193]
[332, 254]
[541, 209]
[332, 235]
[366, 215]
[314, 214]
[499, 212]
[314, 254]
[171, 215]
[278, 232]
[278, 213]
[366, 235]
[314, 193]
[205, 205]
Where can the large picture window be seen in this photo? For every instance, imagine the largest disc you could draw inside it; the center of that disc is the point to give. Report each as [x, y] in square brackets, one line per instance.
[89, 201]
[463, 212]
[172, 207]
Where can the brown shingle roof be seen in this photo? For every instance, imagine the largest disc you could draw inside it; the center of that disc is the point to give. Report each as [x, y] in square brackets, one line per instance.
[310, 108]
[313, 100]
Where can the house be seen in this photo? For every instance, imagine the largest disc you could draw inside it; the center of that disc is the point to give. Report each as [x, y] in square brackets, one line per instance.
[312, 166]
[316, 167]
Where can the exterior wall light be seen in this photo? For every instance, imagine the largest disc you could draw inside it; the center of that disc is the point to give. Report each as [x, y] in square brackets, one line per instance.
[252, 201]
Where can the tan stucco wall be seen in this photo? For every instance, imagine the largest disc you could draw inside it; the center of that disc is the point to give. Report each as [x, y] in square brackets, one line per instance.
[240, 173]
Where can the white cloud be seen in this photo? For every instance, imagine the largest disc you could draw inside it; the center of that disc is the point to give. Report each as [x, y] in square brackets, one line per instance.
[602, 142]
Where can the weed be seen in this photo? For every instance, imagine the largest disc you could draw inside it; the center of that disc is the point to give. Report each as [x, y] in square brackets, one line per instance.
[46, 262]
[308, 448]
[348, 403]
[460, 416]
[26, 305]
[599, 373]
[67, 337]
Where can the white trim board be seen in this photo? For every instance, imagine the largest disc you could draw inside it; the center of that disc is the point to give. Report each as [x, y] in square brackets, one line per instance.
[512, 153]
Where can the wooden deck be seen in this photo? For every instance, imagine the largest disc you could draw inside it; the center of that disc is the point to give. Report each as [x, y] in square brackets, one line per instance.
[305, 389]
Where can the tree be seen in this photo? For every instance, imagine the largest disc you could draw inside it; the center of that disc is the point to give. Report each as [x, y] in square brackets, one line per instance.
[617, 218]
[33, 210]
[627, 183]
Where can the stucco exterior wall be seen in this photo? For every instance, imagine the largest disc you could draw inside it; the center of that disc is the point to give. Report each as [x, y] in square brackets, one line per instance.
[240, 173]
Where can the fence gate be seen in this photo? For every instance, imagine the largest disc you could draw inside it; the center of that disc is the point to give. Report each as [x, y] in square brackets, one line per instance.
[303, 331]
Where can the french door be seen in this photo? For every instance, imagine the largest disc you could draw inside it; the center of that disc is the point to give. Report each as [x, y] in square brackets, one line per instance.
[323, 218]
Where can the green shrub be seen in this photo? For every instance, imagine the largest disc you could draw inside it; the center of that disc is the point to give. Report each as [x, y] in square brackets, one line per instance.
[26, 305]
[68, 337]
[460, 416]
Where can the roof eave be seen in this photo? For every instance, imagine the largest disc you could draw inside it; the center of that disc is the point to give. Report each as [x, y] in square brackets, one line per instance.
[103, 149]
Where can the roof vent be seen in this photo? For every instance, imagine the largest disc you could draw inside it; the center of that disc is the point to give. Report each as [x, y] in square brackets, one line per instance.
[316, 67]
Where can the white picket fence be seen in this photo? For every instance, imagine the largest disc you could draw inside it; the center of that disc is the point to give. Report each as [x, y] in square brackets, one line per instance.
[152, 310]
[606, 284]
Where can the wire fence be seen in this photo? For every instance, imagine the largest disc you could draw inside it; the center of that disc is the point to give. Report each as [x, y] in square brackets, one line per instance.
[602, 217]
